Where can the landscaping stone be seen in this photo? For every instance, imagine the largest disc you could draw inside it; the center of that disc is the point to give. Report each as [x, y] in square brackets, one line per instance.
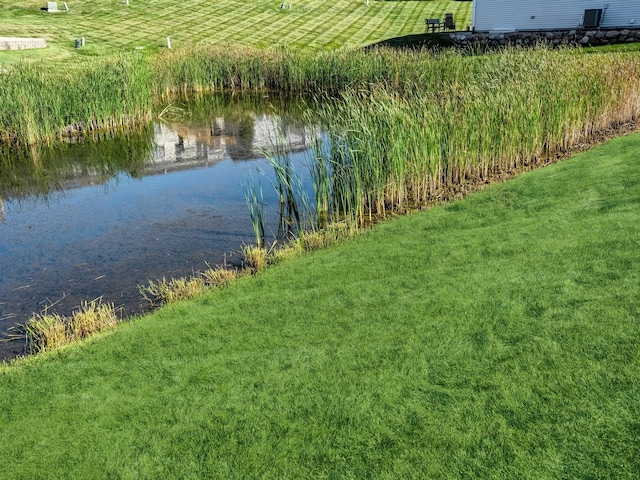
[554, 38]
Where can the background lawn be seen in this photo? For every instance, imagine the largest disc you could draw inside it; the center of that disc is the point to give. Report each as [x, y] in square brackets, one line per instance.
[109, 25]
[493, 337]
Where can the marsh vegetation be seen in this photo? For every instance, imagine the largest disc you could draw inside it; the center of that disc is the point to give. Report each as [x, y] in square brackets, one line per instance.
[405, 129]
[494, 337]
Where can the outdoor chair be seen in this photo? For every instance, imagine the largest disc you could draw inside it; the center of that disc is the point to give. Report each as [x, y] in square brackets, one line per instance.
[432, 24]
[449, 24]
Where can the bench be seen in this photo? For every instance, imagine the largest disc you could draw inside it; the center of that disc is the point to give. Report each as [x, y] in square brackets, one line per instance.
[432, 24]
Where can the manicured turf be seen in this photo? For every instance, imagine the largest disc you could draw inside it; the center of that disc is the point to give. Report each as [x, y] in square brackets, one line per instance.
[109, 25]
[494, 337]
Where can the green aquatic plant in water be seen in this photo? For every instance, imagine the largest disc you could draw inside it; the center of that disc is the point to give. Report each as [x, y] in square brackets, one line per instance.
[255, 203]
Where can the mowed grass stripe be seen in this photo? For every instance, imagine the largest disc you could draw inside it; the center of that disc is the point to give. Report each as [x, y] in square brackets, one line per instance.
[235, 26]
[393, 20]
[377, 33]
[360, 20]
[300, 27]
[317, 24]
[271, 27]
[329, 25]
[368, 32]
[245, 28]
[408, 19]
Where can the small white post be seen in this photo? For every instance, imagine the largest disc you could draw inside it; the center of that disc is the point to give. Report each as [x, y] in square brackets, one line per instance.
[82, 41]
[126, 2]
[367, 3]
[168, 42]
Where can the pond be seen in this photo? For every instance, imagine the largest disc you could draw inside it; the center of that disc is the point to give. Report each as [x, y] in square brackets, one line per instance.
[101, 216]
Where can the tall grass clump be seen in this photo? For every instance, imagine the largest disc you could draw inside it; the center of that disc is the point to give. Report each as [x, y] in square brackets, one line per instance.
[219, 277]
[41, 103]
[169, 291]
[47, 331]
[397, 148]
[255, 258]
[290, 70]
[165, 291]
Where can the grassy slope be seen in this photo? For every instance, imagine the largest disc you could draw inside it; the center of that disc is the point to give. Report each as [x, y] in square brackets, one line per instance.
[495, 337]
[109, 25]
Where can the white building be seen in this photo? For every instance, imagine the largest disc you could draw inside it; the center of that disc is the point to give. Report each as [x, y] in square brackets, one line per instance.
[512, 15]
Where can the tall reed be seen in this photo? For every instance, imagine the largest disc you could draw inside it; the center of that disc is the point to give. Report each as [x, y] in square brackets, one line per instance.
[408, 124]
[42, 103]
[223, 68]
[394, 148]
[255, 203]
[412, 125]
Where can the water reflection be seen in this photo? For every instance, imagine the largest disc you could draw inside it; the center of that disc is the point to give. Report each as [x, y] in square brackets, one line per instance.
[39, 170]
[101, 215]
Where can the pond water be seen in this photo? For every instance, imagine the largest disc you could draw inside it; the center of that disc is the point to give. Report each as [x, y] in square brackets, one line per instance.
[100, 217]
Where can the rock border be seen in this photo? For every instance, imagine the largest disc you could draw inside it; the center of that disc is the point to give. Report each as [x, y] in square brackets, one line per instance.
[551, 37]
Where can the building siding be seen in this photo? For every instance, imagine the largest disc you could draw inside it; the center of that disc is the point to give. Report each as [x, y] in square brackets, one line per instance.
[510, 15]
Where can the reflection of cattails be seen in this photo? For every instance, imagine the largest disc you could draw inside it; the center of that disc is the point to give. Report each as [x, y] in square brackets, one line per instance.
[41, 169]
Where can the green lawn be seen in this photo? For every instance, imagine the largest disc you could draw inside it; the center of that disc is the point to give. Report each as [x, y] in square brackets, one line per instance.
[493, 337]
[109, 25]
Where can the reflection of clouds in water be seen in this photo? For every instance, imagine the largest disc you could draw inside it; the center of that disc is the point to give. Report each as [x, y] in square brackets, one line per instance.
[179, 145]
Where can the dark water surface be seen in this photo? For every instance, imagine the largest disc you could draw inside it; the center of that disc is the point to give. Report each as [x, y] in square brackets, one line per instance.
[100, 217]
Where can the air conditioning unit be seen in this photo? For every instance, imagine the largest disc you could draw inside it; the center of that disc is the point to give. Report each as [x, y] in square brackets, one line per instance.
[592, 18]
